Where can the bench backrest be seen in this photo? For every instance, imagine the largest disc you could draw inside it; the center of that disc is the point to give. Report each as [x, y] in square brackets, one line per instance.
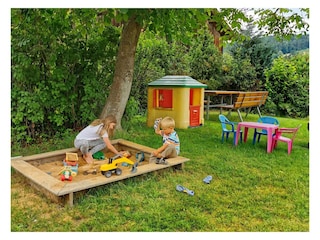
[250, 99]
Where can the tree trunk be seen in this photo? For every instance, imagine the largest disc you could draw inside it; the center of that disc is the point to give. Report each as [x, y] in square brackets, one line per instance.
[123, 75]
[216, 35]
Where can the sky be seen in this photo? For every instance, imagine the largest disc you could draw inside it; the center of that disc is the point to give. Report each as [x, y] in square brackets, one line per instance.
[314, 109]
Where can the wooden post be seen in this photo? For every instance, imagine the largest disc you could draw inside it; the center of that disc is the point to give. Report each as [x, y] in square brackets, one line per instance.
[71, 199]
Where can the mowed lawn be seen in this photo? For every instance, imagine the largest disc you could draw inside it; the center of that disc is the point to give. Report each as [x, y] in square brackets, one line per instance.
[251, 191]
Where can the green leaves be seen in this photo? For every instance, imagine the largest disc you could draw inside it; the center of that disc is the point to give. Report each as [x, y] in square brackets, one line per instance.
[61, 70]
[62, 60]
[282, 22]
[288, 85]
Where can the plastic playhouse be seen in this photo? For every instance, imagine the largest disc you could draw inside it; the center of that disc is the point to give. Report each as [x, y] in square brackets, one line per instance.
[180, 97]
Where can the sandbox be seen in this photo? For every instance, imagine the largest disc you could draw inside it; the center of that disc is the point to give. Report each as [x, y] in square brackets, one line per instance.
[42, 170]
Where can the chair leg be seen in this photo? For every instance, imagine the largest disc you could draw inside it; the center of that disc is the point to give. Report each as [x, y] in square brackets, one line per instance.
[273, 146]
[259, 135]
[254, 137]
[289, 147]
[222, 137]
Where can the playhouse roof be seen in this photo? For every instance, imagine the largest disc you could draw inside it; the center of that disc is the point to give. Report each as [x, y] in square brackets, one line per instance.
[177, 81]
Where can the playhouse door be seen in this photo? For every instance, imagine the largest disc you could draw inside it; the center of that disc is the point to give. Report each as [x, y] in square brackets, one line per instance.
[194, 116]
[194, 107]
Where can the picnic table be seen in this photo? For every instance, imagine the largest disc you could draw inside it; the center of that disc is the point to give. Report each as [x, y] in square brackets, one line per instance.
[237, 100]
[224, 95]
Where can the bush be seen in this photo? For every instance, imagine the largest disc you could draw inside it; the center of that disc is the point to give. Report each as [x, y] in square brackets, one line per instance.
[61, 70]
[288, 85]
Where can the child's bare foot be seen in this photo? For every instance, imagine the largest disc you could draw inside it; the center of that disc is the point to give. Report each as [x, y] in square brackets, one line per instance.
[88, 158]
[154, 154]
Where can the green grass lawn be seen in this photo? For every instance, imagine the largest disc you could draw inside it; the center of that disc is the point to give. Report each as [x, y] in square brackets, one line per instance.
[251, 191]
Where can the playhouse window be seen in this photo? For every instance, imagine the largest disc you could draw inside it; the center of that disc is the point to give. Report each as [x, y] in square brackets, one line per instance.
[162, 98]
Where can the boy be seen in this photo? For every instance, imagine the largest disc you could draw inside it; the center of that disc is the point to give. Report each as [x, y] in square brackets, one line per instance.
[171, 144]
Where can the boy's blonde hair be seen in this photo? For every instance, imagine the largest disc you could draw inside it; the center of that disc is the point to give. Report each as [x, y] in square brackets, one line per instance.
[105, 125]
[167, 122]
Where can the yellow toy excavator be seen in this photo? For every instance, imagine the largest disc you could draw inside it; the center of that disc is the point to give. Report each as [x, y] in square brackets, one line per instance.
[112, 166]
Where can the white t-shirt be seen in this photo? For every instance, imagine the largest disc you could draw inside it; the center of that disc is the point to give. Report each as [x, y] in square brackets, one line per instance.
[91, 133]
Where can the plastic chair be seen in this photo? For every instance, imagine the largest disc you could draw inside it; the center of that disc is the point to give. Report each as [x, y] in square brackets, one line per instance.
[289, 140]
[266, 119]
[228, 127]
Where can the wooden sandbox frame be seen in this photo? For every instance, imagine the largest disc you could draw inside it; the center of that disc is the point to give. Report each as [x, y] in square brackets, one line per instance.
[62, 192]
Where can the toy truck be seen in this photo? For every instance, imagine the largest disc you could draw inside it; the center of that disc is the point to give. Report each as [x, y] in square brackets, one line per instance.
[112, 166]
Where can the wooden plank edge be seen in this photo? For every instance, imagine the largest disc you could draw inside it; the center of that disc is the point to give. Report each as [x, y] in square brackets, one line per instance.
[53, 153]
[37, 176]
[48, 154]
[102, 180]
[136, 146]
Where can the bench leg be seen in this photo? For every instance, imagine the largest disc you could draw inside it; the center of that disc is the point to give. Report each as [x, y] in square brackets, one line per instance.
[249, 109]
[229, 113]
[259, 111]
[239, 113]
[207, 107]
[221, 104]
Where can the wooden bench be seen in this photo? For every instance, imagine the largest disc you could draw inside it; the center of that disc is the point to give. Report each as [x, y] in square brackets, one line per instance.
[248, 100]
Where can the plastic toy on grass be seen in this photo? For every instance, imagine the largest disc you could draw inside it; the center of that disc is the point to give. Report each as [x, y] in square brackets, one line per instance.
[181, 188]
[207, 179]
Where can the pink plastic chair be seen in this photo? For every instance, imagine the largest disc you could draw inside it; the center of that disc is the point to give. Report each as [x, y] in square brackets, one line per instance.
[289, 140]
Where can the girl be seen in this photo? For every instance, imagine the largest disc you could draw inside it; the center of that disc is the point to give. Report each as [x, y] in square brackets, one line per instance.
[96, 137]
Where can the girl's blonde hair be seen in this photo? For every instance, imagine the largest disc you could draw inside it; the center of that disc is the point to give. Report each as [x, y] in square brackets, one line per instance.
[105, 127]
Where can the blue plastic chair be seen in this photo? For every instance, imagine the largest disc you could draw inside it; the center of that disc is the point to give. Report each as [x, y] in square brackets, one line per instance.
[259, 132]
[228, 127]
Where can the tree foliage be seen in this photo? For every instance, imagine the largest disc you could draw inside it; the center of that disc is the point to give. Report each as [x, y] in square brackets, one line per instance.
[65, 62]
[288, 86]
[252, 56]
[154, 59]
[61, 69]
[293, 45]
[205, 60]
[282, 22]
